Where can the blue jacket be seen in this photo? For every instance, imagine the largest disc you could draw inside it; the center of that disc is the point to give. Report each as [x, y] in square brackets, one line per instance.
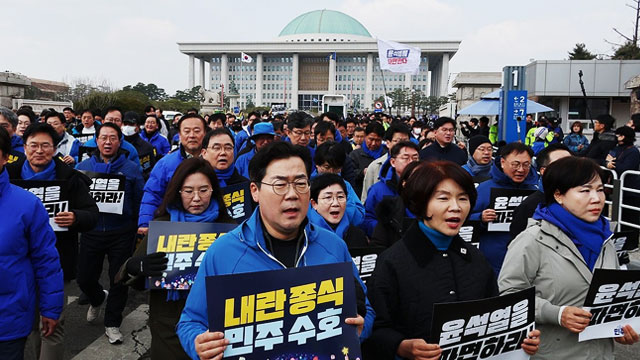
[387, 186]
[157, 184]
[124, 145]
[158, 141]
[573, 140]
[17, 144]
[494, 244]
[133, 193]
[242, 162]
[240, 138]
[28, 261]
[242, 250]
[354, 212]
[538, 145]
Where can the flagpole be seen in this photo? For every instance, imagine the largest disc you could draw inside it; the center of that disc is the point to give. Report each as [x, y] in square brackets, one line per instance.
[384, 87]
[241, 66]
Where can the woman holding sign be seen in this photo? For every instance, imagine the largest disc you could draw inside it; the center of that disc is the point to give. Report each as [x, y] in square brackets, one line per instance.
[193, 195]
[566, 240]
[430, 264]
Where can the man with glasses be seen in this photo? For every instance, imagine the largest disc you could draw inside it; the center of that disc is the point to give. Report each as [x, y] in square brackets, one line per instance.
[444, 146]
[371, 149]
[112, 114]
[263, 134]
[192, 129]
[114, 234]
[81, 216]
[277, 235]
[511, 171]
[401, 155]
[480, 156]
[217, 149]
[397, 133]
[68, 146]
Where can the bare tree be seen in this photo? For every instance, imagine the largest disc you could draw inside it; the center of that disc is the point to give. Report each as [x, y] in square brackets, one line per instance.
[632, 39]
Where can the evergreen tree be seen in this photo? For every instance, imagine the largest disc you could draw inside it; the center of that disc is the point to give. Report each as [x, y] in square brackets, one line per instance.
[580, 52]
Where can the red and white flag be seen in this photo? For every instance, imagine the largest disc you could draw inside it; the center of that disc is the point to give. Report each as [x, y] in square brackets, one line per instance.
[246, 58]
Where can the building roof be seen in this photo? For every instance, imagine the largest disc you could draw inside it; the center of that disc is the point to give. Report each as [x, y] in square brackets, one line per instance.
[324, 22]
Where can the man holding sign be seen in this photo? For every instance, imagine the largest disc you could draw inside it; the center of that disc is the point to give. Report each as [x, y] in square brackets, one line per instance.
[277, 236]
[115, 232]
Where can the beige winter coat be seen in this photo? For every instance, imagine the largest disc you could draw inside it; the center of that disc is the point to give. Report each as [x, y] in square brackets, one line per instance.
[544, 257]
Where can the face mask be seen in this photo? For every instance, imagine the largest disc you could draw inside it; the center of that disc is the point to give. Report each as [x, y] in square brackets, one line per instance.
[417, 131]
[128, 130]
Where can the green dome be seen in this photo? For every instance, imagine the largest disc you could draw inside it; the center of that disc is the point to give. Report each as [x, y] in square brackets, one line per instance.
[324, 22]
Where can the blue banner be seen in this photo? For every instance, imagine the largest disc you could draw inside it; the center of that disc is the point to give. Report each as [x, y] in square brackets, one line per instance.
[287, 314]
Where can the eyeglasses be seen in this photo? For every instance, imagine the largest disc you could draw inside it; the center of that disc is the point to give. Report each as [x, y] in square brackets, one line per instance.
[340, 197]
[219, 148]
[189, 193]
[300, 133]
[406, 157]
[518, 165]
[485, 149]
[281, 187]
[113, 119]
[43, 146]
[447, 130]
[111, 138]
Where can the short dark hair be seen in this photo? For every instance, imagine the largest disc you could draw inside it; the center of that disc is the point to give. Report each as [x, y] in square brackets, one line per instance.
[484, 120]
[567, 173]
[607, 120]
[149, 108]
[444, 120]
[358, 128]
[92, 112]
[5, 142]
[55, 114]
[323, 181]
[145, 117]
[277, 150]
[112, 126]
[579, 124]
[375, 127]
[424, 180]
[277, 125]
[515, 147]
[323, 127]
[192, 116]
[68, 109]
[191, 110]
[27, 112]
[231, 116]
[331, 115]
[254, 113]
[216, 132]
[217, 116]
[395, 150]
[397, 127]
[114, 108]
[474, 121]
[298, 120]
[542, 159]
[41, 128]
[330, 152]
[188, 167]
[350, 120]
[628, 133]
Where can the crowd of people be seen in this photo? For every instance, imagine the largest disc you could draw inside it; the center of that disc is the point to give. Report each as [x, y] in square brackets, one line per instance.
[319, 186]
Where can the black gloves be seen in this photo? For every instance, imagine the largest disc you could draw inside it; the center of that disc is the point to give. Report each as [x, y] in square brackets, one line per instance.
[147, 265]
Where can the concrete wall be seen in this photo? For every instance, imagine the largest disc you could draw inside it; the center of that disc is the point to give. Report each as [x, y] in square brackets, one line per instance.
[11, 87]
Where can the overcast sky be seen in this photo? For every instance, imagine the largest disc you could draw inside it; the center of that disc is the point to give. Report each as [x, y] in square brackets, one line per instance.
[125, 42]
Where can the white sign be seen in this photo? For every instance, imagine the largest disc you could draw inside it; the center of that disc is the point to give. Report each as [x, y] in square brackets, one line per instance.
[399, 58]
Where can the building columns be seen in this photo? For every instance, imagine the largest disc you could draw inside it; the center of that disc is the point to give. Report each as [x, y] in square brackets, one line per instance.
[332, 75]
[259, 80]
[201, 79]
[192, 81]
[224, 72]
[368, 83]
[444, 75]
[407, 80]
[294, 81]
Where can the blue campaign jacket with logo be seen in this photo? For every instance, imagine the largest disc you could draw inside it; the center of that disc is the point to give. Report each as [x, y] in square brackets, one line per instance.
[242, 250]
[133, 193]
[494, 244]
[157, 184]
[158, 141]
[242, 162]
[28, 260]
[124, 145]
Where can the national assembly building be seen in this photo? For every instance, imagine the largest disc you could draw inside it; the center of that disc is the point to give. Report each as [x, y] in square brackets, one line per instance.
[318, 53]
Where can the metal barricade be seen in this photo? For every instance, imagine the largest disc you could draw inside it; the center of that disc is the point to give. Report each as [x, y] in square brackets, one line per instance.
[622, 189]
[613, 201]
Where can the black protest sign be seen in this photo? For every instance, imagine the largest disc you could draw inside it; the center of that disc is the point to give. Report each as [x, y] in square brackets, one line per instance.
[365, 259]
[625, 240]
[237, 200]
[296, 313]
[83, 138]
[53, 194]
[85, 152]
[504, 202]
[470, 232]
[614, 301]
[108, 191]
[492, 328]
[185, 244]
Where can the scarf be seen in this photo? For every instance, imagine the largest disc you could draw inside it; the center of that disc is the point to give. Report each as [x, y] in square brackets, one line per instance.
[317, 219]
[209, 215]
[224, 175]
[49, 173]
[439, 240]
[373, 153]
[98, 165]
[588, 237]
[477, 169]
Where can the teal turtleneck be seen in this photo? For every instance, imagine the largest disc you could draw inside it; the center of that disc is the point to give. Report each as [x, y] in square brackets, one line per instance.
[439, 240]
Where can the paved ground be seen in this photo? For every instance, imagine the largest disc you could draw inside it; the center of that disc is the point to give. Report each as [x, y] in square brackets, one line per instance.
[87, 341]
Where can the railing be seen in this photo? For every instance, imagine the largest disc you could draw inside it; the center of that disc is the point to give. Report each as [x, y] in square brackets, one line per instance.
[624, 190]
[613, 208]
